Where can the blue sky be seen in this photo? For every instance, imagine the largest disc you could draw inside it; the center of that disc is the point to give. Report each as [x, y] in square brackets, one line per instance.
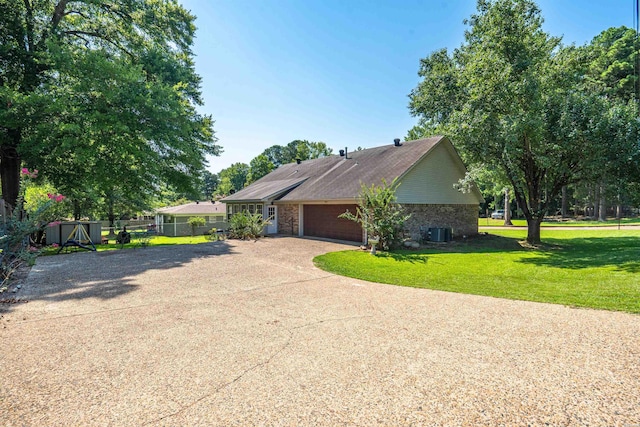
[338, 71]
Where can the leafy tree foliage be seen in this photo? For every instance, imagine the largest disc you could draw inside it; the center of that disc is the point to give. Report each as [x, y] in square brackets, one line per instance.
[379, 214]
[25, 222]
[232, 178]
[101, 96]
[259, 167]
[511, 98]
[195, 222]
[612, 63]
[297, 149]
[238, 175]
[210, 182]
[38, 195]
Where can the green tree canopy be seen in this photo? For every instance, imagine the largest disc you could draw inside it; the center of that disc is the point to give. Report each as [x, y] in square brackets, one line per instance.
[511, 98]
[613, 63]
[297, 149]
[612, 71]
[101, 95]
[259, 167]
[232, 178]
[210, 182]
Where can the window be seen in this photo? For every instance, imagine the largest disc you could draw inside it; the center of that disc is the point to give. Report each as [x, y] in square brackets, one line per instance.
[232, 209]
[219, 218]
[259, 209]
[243, 208]
[252, 208]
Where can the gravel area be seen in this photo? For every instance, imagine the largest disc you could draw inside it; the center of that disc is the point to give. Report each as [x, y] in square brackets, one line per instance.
[250, 333]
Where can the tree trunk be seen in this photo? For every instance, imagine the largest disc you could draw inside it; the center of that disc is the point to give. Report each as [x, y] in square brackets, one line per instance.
[533, 230]
[596, 202]
[618, 211]
[77, 212]
[507, 208]
[602, 208]
[111, 214]
[565, 203]
[10, 174]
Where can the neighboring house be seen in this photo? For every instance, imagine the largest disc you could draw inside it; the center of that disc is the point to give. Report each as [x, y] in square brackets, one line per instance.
[172, 221]
[305, 198]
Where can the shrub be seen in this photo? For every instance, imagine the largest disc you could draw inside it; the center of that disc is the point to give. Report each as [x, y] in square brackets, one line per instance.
[379, 214]
[214, 235]
[15, 245]
[245, 225]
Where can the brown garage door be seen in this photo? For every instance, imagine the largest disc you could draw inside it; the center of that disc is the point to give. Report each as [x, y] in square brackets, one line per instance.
[323, 221]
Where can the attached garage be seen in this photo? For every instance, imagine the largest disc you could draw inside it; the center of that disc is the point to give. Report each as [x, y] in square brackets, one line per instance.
[309, 195]
[323, 221]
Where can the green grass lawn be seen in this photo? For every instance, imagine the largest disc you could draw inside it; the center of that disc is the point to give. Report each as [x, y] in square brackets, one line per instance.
[488, 222]
[584, 268]
[153, 241]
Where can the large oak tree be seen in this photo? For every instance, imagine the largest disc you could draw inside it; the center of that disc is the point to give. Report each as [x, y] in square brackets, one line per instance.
[101, 95]
[512, 98]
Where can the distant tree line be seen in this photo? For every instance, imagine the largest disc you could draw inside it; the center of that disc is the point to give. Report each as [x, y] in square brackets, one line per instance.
[239, 175]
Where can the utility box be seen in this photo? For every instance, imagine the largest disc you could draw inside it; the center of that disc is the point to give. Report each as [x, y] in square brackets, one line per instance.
[59, 233]
[440, 234]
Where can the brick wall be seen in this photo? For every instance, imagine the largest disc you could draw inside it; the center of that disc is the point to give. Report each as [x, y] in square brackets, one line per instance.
[288, 219]
[463, 219]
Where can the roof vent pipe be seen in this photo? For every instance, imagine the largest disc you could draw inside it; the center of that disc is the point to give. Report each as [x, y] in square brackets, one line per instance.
[298, 161]
[396, 142]
[341, 153]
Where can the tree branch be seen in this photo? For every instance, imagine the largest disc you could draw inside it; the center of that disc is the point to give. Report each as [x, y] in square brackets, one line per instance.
[58, 14]
[122, 15]
[86, 41]
[29, 23]
[98, 36]
[76, 12]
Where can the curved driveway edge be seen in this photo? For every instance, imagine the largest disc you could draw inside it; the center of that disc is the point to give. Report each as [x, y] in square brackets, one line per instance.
[240, 333]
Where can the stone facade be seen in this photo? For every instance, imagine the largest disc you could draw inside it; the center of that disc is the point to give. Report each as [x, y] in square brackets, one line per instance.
[288, 219]
[462, 219]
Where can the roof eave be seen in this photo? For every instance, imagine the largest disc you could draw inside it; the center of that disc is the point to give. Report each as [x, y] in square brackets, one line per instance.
[267, 198]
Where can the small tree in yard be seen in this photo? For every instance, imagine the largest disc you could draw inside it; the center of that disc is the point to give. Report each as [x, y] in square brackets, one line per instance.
[194, 222]
[379, 214]
[17, 229]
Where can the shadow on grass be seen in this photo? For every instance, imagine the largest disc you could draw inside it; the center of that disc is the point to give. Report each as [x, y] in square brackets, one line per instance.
[477, 244]
[623, 253]
[106, 275]
[411, 257]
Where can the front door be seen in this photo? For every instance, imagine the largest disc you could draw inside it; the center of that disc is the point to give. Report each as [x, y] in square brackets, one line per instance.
[272, 217]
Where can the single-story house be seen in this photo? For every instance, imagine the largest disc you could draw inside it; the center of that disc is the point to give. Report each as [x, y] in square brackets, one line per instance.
[172, 221]
[305, 198]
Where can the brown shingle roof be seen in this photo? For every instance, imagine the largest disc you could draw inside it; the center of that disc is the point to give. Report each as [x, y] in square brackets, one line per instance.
[193, 208]
[263, 190]
[334, 177]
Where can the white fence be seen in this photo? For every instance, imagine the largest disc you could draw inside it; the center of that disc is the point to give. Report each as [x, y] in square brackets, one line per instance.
[184, 229]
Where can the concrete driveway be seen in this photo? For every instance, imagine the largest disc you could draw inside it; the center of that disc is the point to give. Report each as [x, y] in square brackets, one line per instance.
[251, 333]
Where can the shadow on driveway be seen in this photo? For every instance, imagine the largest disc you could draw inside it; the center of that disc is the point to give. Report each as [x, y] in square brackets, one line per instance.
[105, 275]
